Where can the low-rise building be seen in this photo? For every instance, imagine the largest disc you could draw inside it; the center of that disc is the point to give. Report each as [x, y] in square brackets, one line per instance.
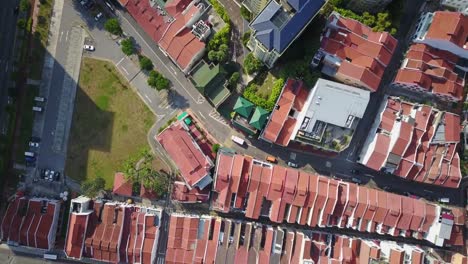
[456, 5]
[257, 188]
[444, 30]
[112, 232]
[416, 142]
[208, 239]
[432, 71]
[193, 164]
[325, 117]
[176, 26]
[31, 222]
[276, 27]
[353, 53]
[210, 80]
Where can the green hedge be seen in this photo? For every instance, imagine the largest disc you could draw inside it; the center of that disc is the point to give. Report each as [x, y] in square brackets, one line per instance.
[220, 10]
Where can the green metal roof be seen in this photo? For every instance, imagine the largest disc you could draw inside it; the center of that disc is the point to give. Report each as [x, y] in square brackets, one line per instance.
[207, 77]
[218, 95]
[259, 118]
[243, 107]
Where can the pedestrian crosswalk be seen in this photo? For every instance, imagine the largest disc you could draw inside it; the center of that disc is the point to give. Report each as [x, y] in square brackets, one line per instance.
[216, 116]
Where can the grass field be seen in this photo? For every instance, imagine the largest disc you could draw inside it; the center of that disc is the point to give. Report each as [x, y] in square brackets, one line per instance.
[110, 122]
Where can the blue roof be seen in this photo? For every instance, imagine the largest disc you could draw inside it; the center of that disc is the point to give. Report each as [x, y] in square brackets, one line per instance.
[275, 28]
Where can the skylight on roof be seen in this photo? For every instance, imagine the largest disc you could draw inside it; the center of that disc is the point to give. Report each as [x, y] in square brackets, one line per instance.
[280, 18]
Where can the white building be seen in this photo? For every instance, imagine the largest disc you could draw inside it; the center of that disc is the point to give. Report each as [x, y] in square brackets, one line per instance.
[457, 5]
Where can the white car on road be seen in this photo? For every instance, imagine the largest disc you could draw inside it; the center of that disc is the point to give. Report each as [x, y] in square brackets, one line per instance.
[98, 16]
[88, 47]
[33, 144]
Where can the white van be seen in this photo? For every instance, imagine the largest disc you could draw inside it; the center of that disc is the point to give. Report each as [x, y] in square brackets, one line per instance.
[29, 154]
[50, 256]
[39, 99]
[444, 200]
[238, 140]
[37, 109]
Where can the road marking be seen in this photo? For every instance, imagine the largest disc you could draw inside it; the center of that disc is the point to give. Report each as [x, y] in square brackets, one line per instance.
[66, 37]
[201, 114]
[125, 70]
[147, 97]
[61, 35]
[173, 70]
[120, 61]
[146, 43]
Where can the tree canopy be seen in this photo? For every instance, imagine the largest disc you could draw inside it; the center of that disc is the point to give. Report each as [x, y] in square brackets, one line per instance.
[92, 187]
[145, 63]
[128, 48]
[252, 64]
[112, 26]
[157, 81]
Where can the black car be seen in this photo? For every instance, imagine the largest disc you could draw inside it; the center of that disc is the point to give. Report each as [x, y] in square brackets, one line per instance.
[354, 171]
[35, 139]
[16, 10]
[56, 176]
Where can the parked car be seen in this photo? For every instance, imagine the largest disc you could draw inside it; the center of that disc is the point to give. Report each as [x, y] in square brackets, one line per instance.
[271, 159]
[33, 144]
[354, 171]
[37, 109]
[39, 99]
[238, 140]
[84, 2]
[16, 10]
[444, 200]
[89, 4]
[292, 164]
[35, 139]
[98, 16]
[89, 47]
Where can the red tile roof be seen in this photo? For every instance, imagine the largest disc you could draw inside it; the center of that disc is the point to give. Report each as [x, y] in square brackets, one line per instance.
[174, 37]
[187, 155]
[364, 53]
[179, 42]
[76, 234]
[279, 127]
[449, 26]
[181, 193]
[431, 70]
[420, 142]
[121, 186]
[31, 222]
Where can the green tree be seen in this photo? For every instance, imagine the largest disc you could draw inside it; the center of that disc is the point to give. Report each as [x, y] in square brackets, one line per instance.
[157, 81]
[24, 5]
[215, 148]
[246, 38]
[128, 48]
[245, 13]
[145, 63]
[234, 79]
[21, 23]
[92, 187]
[252, 64]
[112, 26]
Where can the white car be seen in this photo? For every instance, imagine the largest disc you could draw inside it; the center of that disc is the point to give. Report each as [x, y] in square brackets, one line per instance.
[88, 47]
[98, 16]
[33, 144]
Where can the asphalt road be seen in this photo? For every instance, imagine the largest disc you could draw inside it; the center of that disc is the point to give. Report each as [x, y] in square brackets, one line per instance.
[7, 41]
[58, 87]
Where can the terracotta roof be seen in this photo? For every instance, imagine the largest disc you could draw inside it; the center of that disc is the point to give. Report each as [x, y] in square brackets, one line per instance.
[30, 222]
[187, 155]
[179, 42]
[147, 17]
[416, 142]
[121, 186]
[364, 53]
[396, 256]
[181, 193]
[431, 70]
[449, 26]
[279, 127]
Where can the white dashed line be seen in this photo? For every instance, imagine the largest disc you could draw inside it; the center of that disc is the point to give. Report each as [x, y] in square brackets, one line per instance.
[147, 97]
[120, 61]
[201, 114]
[125, 70]
[66, 37]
